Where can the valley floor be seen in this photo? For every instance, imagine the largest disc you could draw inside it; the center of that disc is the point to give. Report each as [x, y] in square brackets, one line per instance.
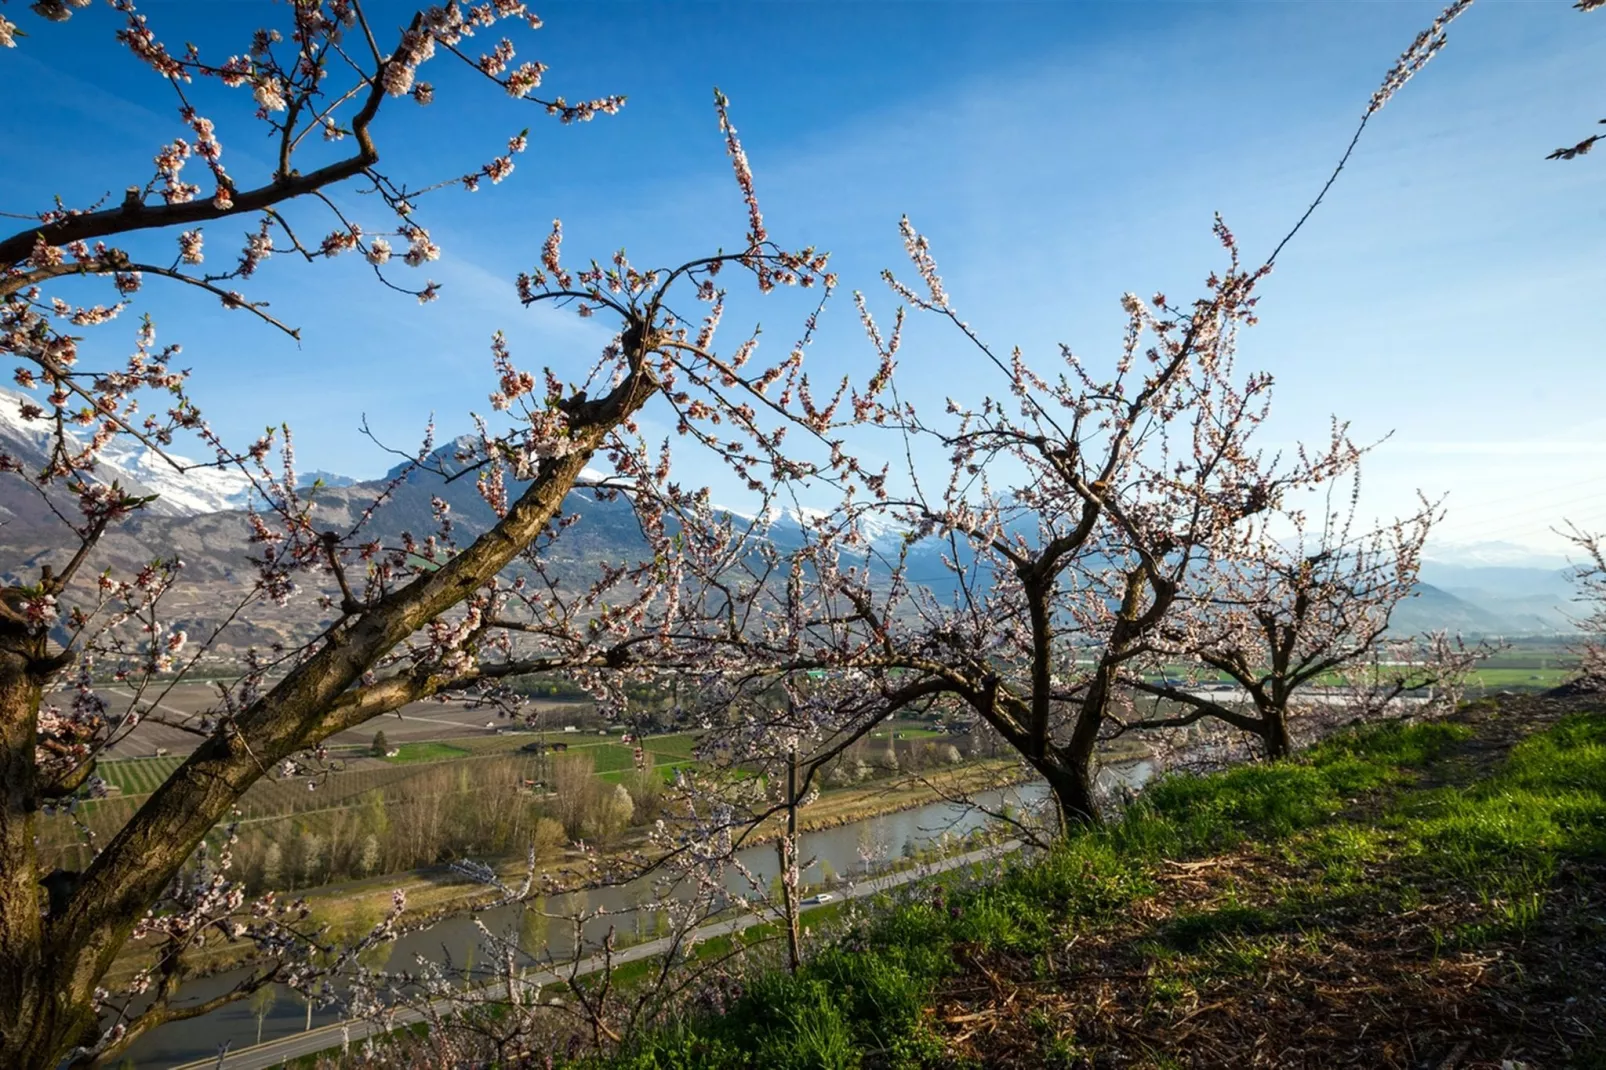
[350, 908]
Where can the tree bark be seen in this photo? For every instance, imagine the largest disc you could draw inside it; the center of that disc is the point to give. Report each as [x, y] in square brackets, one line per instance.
[27, 1015]
[1275, 735]
[786, 847]
[1073, 786]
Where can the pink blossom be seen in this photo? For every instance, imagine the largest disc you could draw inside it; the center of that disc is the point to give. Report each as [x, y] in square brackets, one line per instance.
[45, 255]
[397, 78]
[499, 168]
[268, 96]
[420, 249]
[526, 78]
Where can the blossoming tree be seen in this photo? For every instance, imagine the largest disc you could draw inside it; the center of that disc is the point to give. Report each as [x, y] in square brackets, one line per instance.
[401, 621]
[1073, 514]
[1589, 577]
[1280, 617]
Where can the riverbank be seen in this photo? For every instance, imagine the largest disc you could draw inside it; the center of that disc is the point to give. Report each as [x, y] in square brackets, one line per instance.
[306, 1050]
[1406, 896]
[350, 909]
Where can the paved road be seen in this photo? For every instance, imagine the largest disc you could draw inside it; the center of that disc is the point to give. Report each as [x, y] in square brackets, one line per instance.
[274, 1052]
[1321, 697]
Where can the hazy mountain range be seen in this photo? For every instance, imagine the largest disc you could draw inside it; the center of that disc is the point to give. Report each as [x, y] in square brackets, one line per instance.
[1480, 589]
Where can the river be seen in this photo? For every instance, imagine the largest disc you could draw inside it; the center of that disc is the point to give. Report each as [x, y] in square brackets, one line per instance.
[843, 849]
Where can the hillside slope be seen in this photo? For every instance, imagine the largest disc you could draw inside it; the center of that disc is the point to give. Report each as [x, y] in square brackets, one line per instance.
[1428, 896]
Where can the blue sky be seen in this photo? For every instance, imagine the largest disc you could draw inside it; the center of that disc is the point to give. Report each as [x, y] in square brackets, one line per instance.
[1057, 154]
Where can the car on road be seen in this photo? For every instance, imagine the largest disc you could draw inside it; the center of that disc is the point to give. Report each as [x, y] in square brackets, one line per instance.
[821, 897]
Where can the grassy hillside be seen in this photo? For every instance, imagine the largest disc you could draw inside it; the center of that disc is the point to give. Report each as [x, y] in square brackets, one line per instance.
[1428, 896]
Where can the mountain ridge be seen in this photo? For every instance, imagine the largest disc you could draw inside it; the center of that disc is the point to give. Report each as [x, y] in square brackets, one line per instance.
[198, 515]
[194, 488]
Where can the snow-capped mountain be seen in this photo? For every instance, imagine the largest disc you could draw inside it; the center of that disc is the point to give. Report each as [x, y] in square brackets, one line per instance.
[191, 489]
[1492, 553]
[328, 479]
[785, 524]
[28, 443]
[190, 492]
[1489, 587]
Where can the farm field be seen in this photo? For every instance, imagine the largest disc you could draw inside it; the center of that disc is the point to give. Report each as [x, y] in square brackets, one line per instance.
[356, 778]
[1523, 677]
[137, 777]
[908, 731]
[432, 751]
[418, 722]
[1525, 666]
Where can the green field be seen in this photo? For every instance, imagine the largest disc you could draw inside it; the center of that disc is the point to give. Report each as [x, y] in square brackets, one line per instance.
[1521, 677]
[666, 769]
[138, 776]
[492, 744]
[608, 757]
[433, 751]
[1529, 667]
[679, 746]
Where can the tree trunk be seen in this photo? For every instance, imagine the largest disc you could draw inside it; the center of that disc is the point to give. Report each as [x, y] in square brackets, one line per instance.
[33, 1026]
[1275, 735]
[786, 847]
[1069, 770]
[1072, 783]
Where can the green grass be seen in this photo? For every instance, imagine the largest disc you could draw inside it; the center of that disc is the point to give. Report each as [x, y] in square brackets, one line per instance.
[1506, 834]
[432, 751]
[665, 769]
[1345, 807]
[1520, 677]
[609, 757]
[679, 745]
[138, 776]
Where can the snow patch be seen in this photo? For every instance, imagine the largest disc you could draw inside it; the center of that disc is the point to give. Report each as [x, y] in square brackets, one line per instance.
[1492, 552]
[196, 489]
